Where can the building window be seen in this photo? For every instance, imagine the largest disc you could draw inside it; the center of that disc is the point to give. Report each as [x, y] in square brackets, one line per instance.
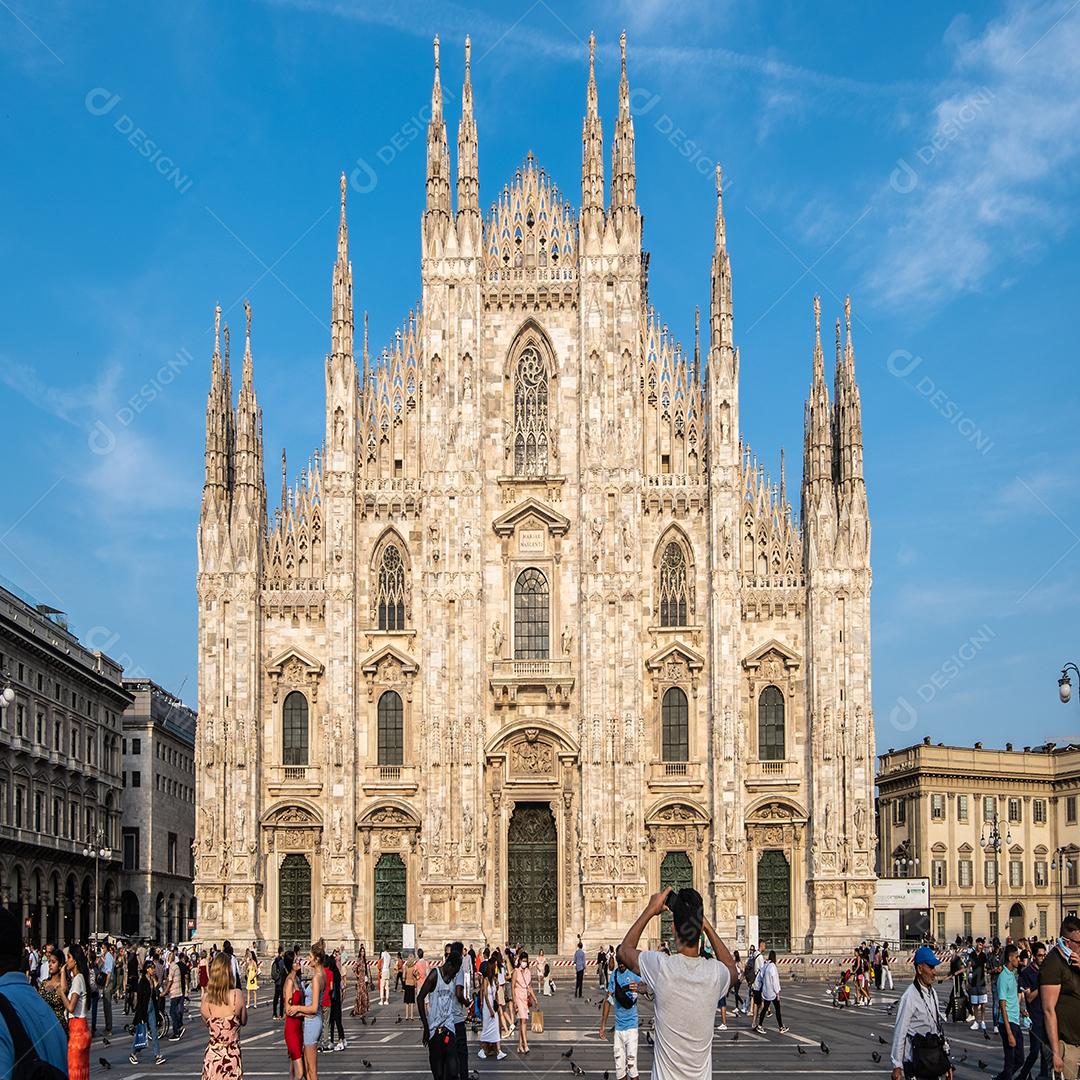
[39, 729]
[961, 808]
[58, 735]
[531, 619]
[530, 414]
[941, 926]
[899, 811]
[20, 719]
[989, 807]
[172, 847]
[73, 821]
[993, 924]
[136, 779]
[131, 849]
[771, 725]
[966, 874]
[1070, 873]
[1016, 873]
[391, 729]
[1042, 876]
[39, 810]
[937, 806]
[989, 872]
[673, 588]
[1042, 923]
[1038, 811]
[20, 797]
[967, 924]
[295, 724]
[58, 817]
[390, 589]
[675, 726]
[1014, 810]
[1070, 809]
[938, 874]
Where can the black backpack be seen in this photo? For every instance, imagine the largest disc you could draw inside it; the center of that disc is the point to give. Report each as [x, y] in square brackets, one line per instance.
[28, 1066]
[748, 970]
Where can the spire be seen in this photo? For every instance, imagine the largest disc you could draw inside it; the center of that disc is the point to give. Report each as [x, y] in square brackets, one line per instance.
[720, 313]
[218, 426]
[438, 155]
[248, 454]
[341, 291]
[818, 430]
[592, 145]
[365, 353]
[468, 185]
[284, 479]
[623, 171]
[246, 380]
[697, 337]
[847, 414]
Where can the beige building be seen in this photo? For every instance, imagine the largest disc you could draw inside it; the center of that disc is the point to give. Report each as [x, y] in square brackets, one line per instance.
[533, 634]
[937, 809]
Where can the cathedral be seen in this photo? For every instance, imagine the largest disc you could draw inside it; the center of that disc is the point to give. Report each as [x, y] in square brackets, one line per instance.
[533, 635]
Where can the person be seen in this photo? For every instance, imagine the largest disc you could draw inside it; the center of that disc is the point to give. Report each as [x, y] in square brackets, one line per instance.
[399, 972]
[736, 984]
[1008, 999]
[325, 1042]
[309, 1011]
[601, 968]
[277, 978]
[1029, 989]
[146, 1013]
[918, 1017]
[521, 992]
[234, 964]
[105, 981]
[49, 985]
[132, 978]
[755, 962]
[1059, 995]
[75, 994]
[174, 997]
[543, 970]
[978, 993]
[886, 971]
[336, 979]
[252, 979]
[622, 995]
[412, 973]
[579, 968]
[25, 1016]
[224, 1013]
[363, 978]
[491, 1024]
[293, 994]
[384, 975]
[204, 970]
[768, 982]
[437, 1016]
[686, 985]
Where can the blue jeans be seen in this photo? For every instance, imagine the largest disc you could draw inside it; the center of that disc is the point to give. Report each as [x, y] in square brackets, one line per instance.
[1014, 1055]
[151, 1027]
[176, 1013]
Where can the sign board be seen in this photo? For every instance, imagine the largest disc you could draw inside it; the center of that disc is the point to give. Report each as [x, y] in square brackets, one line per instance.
[408, 936]
[531, 541]
[887, 926]
[899, 894]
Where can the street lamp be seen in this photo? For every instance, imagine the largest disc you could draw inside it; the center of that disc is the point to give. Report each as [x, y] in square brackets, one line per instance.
[97, 849]
[7, 695]
[1059, 863]
[1065, 683]
[905, 866]
[995, 842]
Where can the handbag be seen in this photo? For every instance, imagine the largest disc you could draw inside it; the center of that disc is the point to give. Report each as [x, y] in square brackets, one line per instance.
[928, 1055]
[142, 1038]
[537, 1021]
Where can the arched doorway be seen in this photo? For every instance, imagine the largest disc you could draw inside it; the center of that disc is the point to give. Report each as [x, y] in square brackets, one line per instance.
[676, 871]
[53, 930]
[532, 878]
[294, 901]
[1016, 922]
[390, 901]
[129, 914]
[774, 900]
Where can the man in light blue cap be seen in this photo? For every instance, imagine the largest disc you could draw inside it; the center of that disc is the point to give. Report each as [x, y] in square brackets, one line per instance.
[919, 1047]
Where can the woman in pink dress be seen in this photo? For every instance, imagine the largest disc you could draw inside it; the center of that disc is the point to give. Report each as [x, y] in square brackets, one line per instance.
[521, 989]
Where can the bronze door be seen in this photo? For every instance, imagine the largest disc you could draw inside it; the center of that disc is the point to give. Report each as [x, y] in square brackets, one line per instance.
[533, 878]
[294, 901]
[774, 900]
[676, 871]
[390, 902]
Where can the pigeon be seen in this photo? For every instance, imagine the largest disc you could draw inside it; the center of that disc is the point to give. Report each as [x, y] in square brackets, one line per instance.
[986, 1035]
[398, 1020]
[876, 1056]
[569, 1053]
[881, 1039]
[103, 1062]
[801, 1050]
[365, 1063]
[891, 1007]
[606, 1074]
[735, 1037]
[961, 1060]
[105, 1042]
[982, 1065]
[363, 1020]
[648, 1038]
[373, 1019]
[824, 1047]
[577, 1070]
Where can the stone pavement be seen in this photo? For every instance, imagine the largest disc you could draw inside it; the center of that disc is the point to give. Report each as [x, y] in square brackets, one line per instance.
[394, 1049]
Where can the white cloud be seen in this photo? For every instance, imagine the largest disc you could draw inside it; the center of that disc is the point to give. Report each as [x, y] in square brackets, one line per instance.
[978, 191]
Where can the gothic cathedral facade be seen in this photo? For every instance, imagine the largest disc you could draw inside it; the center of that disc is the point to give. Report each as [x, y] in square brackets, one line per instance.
[533, 634]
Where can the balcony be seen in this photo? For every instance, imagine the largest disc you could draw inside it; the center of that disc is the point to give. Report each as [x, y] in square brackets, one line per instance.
[773, 774]
[390, 779]
[295, 779]
[676, 776]
[553, 678]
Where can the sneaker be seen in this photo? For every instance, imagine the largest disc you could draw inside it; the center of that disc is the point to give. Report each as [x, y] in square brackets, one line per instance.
[481, 1054]
[784, 1031]
[500, 1055]
[159, 1060]
[974, 1025]
[723, 1027]
[133, 1059]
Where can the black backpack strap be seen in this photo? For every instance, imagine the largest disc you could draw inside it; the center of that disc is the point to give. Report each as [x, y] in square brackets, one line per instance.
[20, 1041]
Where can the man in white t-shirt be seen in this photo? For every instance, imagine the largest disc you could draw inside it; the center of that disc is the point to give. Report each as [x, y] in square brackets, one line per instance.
[384, 976]
[687, 986]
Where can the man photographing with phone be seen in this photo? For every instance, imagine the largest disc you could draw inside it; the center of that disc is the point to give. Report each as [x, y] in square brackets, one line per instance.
[686, 985]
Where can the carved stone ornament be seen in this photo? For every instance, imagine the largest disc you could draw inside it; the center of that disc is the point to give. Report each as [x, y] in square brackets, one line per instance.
[532, 757]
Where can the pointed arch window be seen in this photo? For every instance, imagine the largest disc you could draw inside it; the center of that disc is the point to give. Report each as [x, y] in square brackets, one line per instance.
[771, 725]
[390, 589]
[391, 729]
[673, 586]
[295, 729]
[675, 726]
[532, 632]
[530, 414]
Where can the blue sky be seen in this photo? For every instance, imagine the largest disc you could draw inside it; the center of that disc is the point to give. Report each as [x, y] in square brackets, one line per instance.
[925, 159]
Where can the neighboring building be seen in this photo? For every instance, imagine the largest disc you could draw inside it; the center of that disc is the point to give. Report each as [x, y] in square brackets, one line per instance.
[534, 634]
[59, 775]
[159, 815]
[936, 809]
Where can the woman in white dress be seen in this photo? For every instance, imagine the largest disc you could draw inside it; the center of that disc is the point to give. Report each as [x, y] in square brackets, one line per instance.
[490, 1033]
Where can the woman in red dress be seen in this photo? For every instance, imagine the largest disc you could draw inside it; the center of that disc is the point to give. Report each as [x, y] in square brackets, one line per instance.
[294, 1025]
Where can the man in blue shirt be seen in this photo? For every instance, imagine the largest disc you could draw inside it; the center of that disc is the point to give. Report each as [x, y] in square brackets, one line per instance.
[1008, 997]
[579, 969]
[38, 1020]
[1029, 988]
[626, 1020]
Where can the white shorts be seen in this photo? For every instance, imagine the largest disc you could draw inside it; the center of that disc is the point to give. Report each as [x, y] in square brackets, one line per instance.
[626, 1053]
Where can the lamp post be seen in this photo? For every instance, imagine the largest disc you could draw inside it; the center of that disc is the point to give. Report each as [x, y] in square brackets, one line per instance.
[906, 865]
[1065, 683]
[994, 842]
[1059, 863]
[96, 848]
[7, 695]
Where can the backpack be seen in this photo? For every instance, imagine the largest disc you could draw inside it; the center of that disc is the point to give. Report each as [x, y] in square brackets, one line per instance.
[276, 969]
[28, 1066]
[748, 970]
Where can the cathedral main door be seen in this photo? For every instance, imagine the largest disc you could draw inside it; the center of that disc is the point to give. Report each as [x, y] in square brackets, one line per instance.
[774, 900]
[532, 874]
[294, 901]
[677, 872]
[390, 901]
